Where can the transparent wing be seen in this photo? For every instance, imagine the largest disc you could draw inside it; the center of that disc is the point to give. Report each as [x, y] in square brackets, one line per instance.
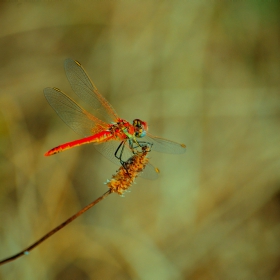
[87, 91]
[163, 145]
[108, 150]
[72, 114]
[150, 172]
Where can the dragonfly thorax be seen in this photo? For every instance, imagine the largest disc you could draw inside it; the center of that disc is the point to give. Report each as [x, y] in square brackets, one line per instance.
[123, 130]
[140, 128]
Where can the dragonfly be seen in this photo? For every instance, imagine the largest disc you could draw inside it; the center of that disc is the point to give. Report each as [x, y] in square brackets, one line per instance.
[114, 137]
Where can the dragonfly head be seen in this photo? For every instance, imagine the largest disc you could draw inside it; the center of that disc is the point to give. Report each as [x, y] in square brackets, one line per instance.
[140, 127]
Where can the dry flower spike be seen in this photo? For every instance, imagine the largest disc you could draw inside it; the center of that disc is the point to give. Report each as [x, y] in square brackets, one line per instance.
[129, 171]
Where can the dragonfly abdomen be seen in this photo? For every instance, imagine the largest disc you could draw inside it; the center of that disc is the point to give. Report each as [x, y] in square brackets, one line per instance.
[100, 137]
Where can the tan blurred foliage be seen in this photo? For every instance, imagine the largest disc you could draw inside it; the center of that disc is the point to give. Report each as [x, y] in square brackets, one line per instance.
[203, 73]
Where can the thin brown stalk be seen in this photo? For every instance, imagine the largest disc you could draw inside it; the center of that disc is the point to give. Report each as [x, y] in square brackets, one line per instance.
[119, 184]
[34, 245]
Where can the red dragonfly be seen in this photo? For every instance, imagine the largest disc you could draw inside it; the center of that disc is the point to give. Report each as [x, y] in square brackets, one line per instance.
[119, 138]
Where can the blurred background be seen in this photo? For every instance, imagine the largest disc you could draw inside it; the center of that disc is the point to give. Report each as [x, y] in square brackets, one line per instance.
[203, 73]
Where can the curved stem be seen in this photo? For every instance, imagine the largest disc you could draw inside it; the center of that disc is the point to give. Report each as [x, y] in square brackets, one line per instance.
[46, 236]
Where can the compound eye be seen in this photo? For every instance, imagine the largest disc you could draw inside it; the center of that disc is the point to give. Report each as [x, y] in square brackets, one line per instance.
[140, 128]
[137, 123]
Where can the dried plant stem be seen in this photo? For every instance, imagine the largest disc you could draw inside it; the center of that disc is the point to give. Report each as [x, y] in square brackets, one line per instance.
[31, 247]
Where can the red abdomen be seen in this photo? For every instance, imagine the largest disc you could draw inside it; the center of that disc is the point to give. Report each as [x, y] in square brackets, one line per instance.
[100, 137]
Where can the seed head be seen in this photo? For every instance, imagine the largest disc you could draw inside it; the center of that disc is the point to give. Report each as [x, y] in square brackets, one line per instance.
[129, 171]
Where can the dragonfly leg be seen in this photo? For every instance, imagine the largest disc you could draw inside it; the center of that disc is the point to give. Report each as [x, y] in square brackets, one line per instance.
[134, 145]
[119, 157]
[139, 144]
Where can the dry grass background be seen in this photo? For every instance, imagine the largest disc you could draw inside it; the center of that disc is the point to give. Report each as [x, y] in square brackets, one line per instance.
[203, 73]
